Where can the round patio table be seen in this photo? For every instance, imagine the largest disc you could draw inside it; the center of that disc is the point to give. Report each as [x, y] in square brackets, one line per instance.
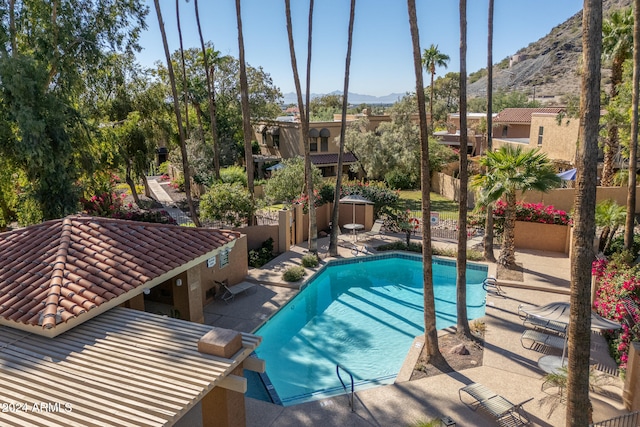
[354, 228]
[552, 364]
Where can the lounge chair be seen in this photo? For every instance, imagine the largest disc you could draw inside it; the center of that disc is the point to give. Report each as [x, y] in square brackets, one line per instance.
[376, 230]
[230, 292]
[504, 412]
[540, 338]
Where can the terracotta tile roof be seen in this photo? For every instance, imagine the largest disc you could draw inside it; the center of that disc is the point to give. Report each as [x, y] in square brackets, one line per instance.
[62, 269]
[522, 115]
[332, 158]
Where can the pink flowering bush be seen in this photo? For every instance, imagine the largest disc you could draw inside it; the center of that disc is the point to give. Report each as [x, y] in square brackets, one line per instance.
[617, 298]
[534, 212]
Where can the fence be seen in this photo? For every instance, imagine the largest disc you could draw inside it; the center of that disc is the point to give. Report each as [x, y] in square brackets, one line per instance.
[444, 225]
[628, 420]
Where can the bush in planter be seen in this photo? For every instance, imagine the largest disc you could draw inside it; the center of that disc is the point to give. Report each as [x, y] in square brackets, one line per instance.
[294, 274]
[258, 258]
[310, 261]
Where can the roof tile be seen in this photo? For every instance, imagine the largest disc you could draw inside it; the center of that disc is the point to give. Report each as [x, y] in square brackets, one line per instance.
[523, 115]
[56, 271]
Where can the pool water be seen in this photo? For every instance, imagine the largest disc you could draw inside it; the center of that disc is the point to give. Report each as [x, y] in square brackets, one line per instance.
[362, 315]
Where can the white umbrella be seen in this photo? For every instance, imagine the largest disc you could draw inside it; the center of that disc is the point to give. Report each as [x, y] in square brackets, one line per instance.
[355, 199]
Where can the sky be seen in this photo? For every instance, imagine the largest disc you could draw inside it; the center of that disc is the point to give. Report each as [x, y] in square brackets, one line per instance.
[382, 58]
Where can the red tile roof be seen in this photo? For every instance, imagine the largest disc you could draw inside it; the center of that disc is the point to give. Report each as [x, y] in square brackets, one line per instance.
[522, 115]
[61, 269]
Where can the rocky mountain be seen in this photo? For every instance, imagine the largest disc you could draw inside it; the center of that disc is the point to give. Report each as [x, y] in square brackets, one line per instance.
[354, 98]
[547, 68]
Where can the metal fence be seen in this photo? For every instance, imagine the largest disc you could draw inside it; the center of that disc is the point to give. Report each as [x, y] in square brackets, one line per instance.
[444, 225]
[628, 420]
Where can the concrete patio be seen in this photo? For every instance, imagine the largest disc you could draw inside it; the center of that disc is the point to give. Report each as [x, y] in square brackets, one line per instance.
[508, 368]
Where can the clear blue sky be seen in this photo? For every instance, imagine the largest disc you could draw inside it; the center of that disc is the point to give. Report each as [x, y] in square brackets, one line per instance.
[381, 61]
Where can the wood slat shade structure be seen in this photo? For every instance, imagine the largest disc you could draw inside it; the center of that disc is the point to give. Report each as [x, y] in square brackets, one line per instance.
[124, 367]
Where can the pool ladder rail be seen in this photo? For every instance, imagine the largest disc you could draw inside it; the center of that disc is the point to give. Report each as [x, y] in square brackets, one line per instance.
[338, 368]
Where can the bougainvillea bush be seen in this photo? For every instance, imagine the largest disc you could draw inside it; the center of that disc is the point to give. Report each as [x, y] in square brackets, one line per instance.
[527, 212]
[617, 298]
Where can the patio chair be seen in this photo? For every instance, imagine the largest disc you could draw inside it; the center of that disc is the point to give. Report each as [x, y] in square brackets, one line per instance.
[537, 338]
[230, 292]
[376, 230]
[504, 412]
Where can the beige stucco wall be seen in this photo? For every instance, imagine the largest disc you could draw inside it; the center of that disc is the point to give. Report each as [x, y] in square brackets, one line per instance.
[257, 234]
[545, 237]
[449, 187]
[234, 272]
[514, 130]
[563, 198]
[558, 140]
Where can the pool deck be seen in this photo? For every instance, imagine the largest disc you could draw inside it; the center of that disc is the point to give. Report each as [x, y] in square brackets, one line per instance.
[508, 368]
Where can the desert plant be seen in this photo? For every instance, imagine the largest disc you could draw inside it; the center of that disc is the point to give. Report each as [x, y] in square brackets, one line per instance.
[310, 260]
[294, 274]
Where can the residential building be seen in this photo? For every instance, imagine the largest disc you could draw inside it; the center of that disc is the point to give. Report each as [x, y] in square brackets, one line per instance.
[476, 122]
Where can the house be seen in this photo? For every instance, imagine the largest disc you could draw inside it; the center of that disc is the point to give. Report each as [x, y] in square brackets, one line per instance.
[475, 135]
[545, 128]
[77, 347]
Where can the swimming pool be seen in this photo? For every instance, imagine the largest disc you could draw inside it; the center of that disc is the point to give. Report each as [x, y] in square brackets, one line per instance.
[361, 313]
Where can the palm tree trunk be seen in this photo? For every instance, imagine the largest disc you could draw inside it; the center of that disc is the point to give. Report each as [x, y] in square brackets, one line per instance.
[431, 125]
[333, 243]
[633, 144]
[212, 100]
[487, 242]
[185, 91]
[578, 405]
[244, 104]
[176, 109]
[313, 226]
[461, 284]
[430, 331]
[304, 120]
[612, 141]
[507, 255]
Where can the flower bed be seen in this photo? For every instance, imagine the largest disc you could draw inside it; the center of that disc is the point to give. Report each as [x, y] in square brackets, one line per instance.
[617, 298]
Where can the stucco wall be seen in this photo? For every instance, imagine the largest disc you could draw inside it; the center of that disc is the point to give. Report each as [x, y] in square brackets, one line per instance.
[449, 187]
[558, 140]
[257, 234]
[234, 272]
[563, 198]
[546, 237]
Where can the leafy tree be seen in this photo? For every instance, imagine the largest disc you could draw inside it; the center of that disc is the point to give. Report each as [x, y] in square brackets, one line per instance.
[432, 58]
[287, 183]
[322, 108]
[230, 203]
[508, 170]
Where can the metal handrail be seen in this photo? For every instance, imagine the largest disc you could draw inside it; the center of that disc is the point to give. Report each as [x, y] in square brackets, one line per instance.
[338, 367]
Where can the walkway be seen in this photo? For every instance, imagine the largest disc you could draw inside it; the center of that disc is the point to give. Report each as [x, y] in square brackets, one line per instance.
[508, 368]
[167, 202]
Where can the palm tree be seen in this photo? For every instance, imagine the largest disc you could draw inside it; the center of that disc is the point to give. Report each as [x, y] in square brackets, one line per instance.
[617, 46]
[578, 405]
[185, 90]
[313, 226]
[430, 332]
[247, 131]
[508, 170]
[488, 229]
[333, 243]
[633, 144]
[304, 122]
[176, 109]
[432, 58]
[211, 95]
[609, 216]
[461, 265]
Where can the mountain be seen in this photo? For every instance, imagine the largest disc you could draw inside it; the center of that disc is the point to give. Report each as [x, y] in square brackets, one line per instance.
[354, 98]
[548, 67]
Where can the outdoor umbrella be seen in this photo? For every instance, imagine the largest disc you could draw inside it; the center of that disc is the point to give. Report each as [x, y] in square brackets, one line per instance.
[569, 175]
[275, 167]
[559, 312]
[355, 199]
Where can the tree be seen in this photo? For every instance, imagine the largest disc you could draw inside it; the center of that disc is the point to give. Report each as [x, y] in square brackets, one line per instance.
[304, 118]
[247, 131]
[609, 216]
[509, 170]
[430, 331]
[176, 110]
[229, 203]
[288, 183]
[617, 46]
[487, 242]
[333, 241]
[578, 405]
[432, 58]
[633, 144]
[461, 264]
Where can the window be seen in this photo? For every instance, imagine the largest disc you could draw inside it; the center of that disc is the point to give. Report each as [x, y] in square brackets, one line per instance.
[224, 258]
[276, 140]
[324, 143]
[264, 139]
[313, 144]
[540, 133]
[504, 130]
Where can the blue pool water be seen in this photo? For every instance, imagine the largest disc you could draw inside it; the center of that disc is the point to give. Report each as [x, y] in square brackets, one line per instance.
[362, 315]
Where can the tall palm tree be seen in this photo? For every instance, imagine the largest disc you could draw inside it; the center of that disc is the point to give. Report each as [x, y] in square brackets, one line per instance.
[304, 119]
[508, 170]
[247, 131]
[430, 331]
[432, 58]
[578, 405]
[488, 228]
[633, 144]
[176, 109]
[313, 226]
[609, 216]
[185, 90]
[461, 265]
[333, 243]
[211, 95]
[617, 46]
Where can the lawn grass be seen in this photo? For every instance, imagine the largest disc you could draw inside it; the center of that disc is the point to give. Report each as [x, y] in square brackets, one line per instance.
[413, 202]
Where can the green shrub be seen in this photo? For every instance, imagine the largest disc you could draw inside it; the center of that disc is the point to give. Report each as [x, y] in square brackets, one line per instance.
[400, 246]
[400, 180]
[617, 245]
[258, 258]
[229, 203]
[163, 168]
[310, 261]
[233, 175]
[294, 274]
